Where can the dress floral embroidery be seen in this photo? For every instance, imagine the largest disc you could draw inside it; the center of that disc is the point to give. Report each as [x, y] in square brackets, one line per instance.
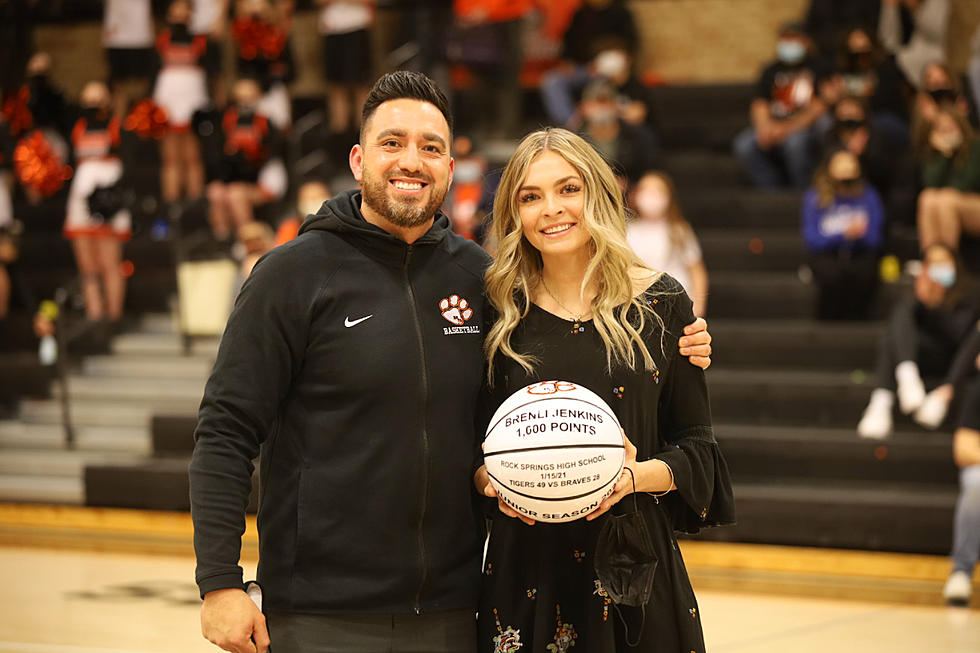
[508, 640]
[565, 635]
[601, 592]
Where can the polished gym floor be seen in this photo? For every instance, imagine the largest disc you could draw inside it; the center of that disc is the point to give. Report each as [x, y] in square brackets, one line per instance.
[64, 601]
[84, 580]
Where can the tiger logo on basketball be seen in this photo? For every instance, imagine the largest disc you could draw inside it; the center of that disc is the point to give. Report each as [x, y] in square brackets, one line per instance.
[550, 387]
[457, 310]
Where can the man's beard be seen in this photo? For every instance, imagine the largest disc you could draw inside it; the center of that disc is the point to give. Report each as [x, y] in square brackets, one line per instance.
[404, 213]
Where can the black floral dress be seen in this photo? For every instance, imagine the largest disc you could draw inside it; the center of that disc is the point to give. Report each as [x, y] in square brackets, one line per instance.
[540, 590]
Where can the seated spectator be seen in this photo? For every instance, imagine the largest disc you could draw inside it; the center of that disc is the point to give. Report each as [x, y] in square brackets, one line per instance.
[966, 520]
[249, 172]
[261, 34]
[597, 26]
[631, 149]
[825, 18]
[345, 27]
[854, 132]
[97, 232]
[868, 75]
[925, 332]
[843, 228]
[664, 240]
[949, 205]
[927, 42]
[940, 88]
[181, 88]
[778, 148]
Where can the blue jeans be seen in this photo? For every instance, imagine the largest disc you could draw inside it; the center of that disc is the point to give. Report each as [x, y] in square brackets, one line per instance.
[966, 523]
[558, 93]
[790, 160]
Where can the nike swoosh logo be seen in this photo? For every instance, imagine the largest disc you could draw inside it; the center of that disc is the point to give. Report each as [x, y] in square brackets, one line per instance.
[349, 323]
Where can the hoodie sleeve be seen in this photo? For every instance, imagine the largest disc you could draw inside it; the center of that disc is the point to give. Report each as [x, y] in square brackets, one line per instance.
[261, 350]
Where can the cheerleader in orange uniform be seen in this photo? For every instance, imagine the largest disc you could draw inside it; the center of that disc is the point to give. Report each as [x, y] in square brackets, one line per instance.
[97, 239]
[181, 89]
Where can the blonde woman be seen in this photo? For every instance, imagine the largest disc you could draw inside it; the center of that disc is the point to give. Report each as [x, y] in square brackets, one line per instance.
[575, 303]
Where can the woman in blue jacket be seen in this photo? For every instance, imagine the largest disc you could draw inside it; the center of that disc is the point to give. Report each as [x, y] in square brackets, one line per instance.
[843, 228]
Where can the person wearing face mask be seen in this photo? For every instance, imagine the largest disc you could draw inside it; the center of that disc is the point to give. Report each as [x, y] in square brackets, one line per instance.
[940, 89]
[181, 89]
[866, 74]
[597, 27]
[632, 149]
[949, 205]
[843, 229]
[664, 240]
[925, 333]
[877, 150]
[777, 149]
[250, 171]
[97, 237]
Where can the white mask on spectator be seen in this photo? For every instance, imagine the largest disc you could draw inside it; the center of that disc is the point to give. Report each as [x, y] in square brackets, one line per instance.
[651, 203]
[943, 273]
[790, 51]
[611, 63]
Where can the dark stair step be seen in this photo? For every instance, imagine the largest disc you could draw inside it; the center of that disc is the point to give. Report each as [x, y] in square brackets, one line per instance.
[761, 249]
[158, 484]
[759, 296]
[764, 453]
[879, 516]
[22, 375]
[789, 397]
[741, 208]
[705, 115]
[700, 168]
[842, 346]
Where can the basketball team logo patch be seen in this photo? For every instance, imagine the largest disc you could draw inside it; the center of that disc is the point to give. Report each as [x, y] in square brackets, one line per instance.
[457, 311]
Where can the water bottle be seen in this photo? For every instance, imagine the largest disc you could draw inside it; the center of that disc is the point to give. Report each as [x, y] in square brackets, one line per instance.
[47, 352]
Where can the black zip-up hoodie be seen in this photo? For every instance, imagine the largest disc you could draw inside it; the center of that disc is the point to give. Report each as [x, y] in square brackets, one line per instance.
[353, 361]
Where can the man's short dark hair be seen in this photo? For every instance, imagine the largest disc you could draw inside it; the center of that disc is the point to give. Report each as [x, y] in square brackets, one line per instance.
[405, 84]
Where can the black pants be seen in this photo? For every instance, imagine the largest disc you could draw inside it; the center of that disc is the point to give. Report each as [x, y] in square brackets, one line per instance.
[846, 285]
[437, 632]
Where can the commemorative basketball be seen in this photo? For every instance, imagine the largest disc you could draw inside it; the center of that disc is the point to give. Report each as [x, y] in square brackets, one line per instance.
[554, 451]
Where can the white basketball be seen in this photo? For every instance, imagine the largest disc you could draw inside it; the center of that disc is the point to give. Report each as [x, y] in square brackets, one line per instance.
[554, 451]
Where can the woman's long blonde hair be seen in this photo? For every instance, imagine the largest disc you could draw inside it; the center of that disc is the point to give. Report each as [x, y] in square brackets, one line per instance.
[516, 271]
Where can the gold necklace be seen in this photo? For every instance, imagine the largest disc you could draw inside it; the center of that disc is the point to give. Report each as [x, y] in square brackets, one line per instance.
[577, 319]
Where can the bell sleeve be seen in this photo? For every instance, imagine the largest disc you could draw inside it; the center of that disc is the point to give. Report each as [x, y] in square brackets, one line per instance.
[686, 441]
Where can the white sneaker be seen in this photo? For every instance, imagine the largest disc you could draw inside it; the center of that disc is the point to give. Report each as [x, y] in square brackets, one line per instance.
[876, 423]
[911, 391]
[932, 412]
[958, 589]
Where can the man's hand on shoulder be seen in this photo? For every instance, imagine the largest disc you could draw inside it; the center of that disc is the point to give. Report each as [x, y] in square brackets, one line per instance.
[696, 343]
[232, 621]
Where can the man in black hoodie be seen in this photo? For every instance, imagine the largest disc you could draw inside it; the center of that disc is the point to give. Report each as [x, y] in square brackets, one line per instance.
[353, 362]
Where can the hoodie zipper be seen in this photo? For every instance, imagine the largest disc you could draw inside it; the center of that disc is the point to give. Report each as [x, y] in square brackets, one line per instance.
[423, 570]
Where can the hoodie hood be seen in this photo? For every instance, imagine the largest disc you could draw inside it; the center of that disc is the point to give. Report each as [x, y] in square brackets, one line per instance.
[342, 216]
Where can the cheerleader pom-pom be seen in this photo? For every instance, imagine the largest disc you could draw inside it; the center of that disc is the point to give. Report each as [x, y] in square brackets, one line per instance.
[147, 120]
[38, 167]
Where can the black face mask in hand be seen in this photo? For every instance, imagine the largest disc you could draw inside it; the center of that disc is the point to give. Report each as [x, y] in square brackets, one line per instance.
[625, 560]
